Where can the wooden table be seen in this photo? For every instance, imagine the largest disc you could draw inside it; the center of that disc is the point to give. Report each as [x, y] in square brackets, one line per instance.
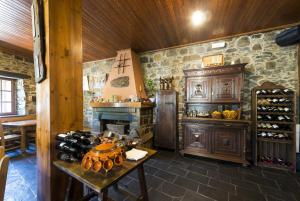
[21, 125]
[100, 182]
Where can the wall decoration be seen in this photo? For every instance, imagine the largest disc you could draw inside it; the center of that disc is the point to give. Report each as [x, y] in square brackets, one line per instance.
[213, 61]
[166, 83]
[37, 12]
[120, 82]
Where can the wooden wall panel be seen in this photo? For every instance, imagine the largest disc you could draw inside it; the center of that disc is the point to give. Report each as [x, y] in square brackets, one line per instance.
[59, 97]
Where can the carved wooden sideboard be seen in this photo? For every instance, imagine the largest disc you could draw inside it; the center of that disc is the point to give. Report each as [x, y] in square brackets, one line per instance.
[208, 90]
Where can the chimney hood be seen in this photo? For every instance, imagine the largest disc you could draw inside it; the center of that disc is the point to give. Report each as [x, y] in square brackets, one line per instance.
[125, 79]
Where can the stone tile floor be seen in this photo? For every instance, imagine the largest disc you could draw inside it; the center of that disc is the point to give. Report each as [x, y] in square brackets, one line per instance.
[172, 177]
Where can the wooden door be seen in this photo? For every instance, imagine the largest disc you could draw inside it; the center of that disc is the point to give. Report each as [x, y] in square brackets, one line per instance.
[228, 140]
[197, 137]
[198, 89]
[226, 88]
[166, 119]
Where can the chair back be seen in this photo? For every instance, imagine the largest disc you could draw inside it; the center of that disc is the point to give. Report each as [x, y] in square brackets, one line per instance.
[3, 172]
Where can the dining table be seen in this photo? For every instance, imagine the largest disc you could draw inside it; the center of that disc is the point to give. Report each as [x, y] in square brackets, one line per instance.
[21, 126]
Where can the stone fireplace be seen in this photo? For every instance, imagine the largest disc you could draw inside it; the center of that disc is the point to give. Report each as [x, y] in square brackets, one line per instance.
[137, 115]
[123, 102]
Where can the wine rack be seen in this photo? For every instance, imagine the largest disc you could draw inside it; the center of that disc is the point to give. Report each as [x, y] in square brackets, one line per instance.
[274, 127]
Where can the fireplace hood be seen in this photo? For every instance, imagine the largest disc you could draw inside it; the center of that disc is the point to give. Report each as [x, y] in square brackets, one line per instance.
[125, 79]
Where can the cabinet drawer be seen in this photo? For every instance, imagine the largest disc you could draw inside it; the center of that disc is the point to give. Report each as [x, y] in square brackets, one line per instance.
[197, 137]
[228, 141]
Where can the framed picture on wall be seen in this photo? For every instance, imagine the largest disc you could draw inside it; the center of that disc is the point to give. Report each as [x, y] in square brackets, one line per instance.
[213, 61]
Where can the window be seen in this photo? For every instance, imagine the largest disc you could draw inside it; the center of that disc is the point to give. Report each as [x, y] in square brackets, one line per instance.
[7, 96]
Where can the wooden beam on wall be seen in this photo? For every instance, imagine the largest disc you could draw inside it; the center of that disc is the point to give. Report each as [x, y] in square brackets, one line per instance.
[59, 97]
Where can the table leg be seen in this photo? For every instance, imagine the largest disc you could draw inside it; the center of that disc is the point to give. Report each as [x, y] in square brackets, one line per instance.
[67, 195]
[104, 195]
[23, 139]
[143, 184]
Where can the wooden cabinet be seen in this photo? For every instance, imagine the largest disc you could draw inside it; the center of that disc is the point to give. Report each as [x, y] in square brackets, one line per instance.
[226, 88]
[208, 90]
[166, 119]
[197, 137]
[217, 139]
[199, 89]
[229, 140]
[216, 85]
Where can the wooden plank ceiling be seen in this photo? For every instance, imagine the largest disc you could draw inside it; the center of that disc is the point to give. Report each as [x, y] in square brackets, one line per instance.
[110, 25]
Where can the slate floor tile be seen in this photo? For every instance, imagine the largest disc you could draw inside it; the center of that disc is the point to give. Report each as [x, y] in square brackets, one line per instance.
[245, 184]
[197, 169]
[222, 185]
[161, 165]
[172, 189]
[186, 183]
[150, 170]
[198, 178]
[155, 195]
[273, 192]
[217, 175]
[260, 180]
[250, 194]
[177, 171]
[193, 196]
[214, 193]
[165, 176]
[153, 181]
[180, 164]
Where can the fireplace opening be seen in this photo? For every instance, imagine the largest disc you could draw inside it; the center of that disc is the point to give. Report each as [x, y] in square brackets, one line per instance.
[117, 126]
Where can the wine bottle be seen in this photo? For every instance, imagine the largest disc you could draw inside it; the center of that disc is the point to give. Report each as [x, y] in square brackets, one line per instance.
[281, 118]
[287, 91]
[287, 118]
[269, 126]
[66, 157]
[275, 126]
[268, 117]
[276, 91]
[65, 147]
[259, 117]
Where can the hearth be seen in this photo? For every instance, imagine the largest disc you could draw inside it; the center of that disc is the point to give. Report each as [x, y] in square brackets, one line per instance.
[109, 115]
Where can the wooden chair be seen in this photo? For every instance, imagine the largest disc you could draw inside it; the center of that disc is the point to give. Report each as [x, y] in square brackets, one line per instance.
[3, 172]
[11, 140]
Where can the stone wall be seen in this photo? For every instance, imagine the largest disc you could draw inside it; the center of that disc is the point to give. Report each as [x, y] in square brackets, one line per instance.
[266, 62]
[25, 87]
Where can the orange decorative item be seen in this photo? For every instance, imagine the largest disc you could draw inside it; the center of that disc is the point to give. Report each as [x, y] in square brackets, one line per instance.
[104, 156]
[230, 114]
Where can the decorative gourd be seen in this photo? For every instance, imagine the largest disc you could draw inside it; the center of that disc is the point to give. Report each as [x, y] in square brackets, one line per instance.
[104, 156]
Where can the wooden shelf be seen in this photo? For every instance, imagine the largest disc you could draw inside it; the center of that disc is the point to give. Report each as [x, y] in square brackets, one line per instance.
[275, 96]
[217, 120]
[127, 104]
[271, 147]
[274, 140]
[277, 104]
[277, 122]
[274, 130]
[277, 113]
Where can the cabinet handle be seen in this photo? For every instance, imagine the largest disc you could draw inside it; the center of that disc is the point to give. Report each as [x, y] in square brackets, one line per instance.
[227, 125]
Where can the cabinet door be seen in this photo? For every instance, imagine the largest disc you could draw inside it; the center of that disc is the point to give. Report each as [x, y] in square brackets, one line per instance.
[226, 88]
[228, 141]
[197, 137]
[198, 89]
[166, 119]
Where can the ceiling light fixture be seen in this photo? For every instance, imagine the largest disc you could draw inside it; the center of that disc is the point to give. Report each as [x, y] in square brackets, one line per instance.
[198, 18]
